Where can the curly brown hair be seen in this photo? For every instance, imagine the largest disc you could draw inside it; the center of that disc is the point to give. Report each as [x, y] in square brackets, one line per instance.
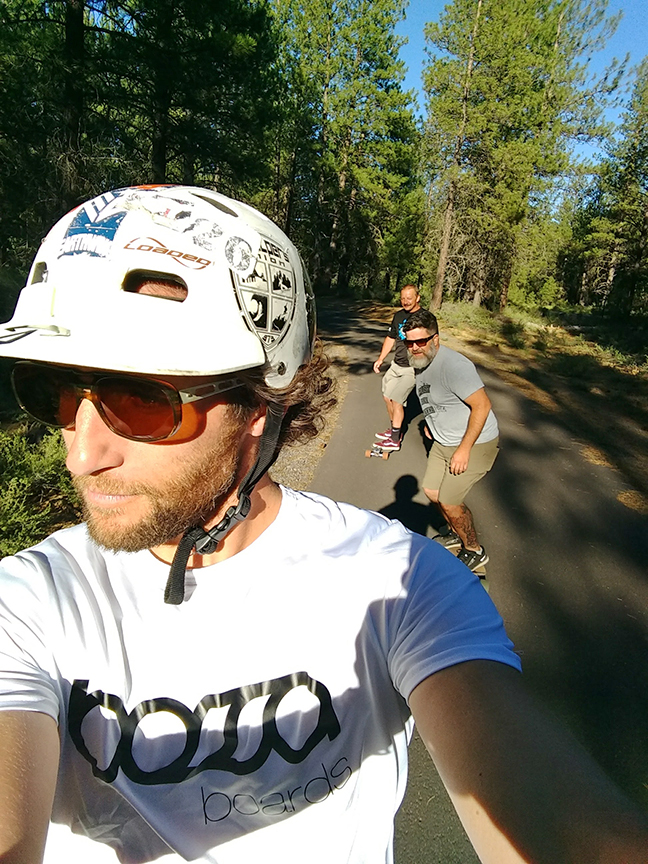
[305, 401]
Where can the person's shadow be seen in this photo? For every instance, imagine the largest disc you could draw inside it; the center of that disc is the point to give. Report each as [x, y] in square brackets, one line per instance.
[417, 517]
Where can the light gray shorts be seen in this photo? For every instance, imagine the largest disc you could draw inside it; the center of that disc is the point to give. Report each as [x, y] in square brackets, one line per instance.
[453, 488]
[398, 383]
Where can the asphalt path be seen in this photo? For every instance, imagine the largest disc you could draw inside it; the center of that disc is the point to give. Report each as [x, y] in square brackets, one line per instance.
[568, 571]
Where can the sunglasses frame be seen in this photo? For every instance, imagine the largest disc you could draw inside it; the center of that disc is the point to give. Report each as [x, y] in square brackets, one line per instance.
[420, 343]
[88, 390]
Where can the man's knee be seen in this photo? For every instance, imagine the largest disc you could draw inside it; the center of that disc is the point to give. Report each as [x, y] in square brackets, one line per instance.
[454, 510]
[432, 494]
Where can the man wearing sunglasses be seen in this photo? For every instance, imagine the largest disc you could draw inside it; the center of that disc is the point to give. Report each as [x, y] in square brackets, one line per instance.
[212, 667]
[460, 421]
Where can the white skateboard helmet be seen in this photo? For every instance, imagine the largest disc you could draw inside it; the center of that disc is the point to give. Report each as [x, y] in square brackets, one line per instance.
[248, 302]
[245, 302]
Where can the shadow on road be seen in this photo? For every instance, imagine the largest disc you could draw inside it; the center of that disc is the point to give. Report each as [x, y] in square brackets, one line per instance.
[576, 600]
[417, 517]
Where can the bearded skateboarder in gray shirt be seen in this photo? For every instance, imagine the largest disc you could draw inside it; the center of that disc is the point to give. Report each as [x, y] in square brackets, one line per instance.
[460, 421]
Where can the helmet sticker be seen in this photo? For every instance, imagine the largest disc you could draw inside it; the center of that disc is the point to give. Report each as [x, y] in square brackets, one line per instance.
[93, 228]
[176, 214]
[150, 244]
[164, 210]
[205, 233]
[238, 253]
[267, 295]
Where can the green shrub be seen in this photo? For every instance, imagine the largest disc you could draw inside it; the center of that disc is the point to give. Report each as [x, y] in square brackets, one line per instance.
[460, 314]
[37, 494]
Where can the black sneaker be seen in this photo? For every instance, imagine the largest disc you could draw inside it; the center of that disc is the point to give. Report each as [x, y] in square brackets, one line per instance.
[448, 541]
[473, 559]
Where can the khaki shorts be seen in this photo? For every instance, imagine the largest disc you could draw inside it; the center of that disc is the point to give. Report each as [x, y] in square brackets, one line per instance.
[398, 383]
[453, 488]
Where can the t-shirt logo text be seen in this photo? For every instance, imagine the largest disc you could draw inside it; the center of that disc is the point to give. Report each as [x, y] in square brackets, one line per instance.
[82, 703]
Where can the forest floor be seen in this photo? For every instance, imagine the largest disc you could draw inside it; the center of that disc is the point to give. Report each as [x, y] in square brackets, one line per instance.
[599, 398]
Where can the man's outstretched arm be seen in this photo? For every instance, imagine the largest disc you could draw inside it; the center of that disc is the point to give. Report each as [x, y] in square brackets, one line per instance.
[29, 754]
[524, 789]
[387, 346]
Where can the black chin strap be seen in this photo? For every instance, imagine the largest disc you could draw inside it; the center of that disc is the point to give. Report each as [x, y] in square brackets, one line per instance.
[206, 542]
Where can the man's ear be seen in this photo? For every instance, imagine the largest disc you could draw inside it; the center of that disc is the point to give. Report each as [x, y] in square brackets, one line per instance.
[257, 422]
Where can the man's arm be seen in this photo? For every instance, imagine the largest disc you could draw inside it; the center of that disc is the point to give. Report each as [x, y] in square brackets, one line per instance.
[523, 788]
[387, 346]
[480, 406]
[29, 754]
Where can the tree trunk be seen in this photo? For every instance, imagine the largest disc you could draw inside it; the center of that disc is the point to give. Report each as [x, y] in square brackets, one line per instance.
[73, 99]
[290, 194]
[159, 142]
[188, 169]
[609, 282]
[437, 296]
[162, 76]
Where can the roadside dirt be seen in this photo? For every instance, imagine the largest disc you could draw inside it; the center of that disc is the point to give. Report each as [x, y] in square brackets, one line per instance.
[296, 465]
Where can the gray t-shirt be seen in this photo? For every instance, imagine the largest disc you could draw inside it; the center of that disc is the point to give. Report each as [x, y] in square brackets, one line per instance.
[442, 388]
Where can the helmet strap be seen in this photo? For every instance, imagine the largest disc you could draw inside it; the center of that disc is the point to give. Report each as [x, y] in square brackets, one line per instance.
[205, 541]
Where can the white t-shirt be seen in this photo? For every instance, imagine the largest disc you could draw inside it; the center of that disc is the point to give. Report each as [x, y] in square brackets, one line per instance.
[263, 719]
[442, 388]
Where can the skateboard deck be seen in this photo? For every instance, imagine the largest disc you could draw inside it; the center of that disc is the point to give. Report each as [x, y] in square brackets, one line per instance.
[377, 451]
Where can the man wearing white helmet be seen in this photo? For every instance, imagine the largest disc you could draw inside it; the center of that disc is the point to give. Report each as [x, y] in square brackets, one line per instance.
[253, 701]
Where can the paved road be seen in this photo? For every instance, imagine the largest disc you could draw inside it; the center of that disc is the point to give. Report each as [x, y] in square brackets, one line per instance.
[568, 572]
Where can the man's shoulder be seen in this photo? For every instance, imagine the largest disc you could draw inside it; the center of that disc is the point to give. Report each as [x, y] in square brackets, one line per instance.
[67, 550]
[73, 537]
[335, 523]
[451, 358]
[399, 316]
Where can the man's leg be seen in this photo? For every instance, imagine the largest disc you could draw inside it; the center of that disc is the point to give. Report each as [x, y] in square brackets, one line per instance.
[456, 519]
[398, 382]
[397, 415]
[460, 519]
[448, 491]
[392, 387]
[390, 408]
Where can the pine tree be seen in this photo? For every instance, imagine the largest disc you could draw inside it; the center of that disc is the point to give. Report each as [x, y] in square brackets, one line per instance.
[505, 93]
[102, 93]
[361, 159]
[607, 259]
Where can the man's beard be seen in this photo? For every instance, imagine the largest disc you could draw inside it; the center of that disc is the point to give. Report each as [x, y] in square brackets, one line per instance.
[420, 361]
[189, 499]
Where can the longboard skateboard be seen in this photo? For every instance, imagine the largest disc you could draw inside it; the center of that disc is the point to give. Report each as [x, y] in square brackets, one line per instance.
[377, 450]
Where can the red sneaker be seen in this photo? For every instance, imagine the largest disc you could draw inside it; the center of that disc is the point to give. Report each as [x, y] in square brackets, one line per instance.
[389, 444]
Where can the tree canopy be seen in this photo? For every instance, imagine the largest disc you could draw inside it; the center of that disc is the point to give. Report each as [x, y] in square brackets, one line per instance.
[299, 108]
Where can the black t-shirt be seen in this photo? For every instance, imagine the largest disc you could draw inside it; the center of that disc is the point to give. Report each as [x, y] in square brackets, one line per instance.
[397, 332]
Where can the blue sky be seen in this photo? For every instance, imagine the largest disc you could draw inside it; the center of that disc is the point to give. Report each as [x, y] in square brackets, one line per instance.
[631, 37]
